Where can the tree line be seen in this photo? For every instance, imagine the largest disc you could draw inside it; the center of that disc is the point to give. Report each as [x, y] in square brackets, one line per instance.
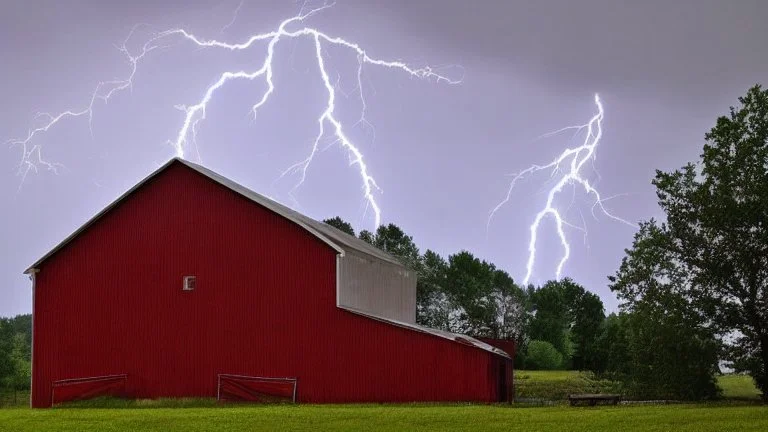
[693, 288]
[558, 325]
[15, 354]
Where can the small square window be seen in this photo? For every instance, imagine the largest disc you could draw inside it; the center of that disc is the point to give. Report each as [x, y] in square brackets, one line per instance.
[189, 283]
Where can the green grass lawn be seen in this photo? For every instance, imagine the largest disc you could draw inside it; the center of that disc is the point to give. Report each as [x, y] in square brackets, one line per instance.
[205, 414]
[392, 418]
[738, 387]
[556, 385]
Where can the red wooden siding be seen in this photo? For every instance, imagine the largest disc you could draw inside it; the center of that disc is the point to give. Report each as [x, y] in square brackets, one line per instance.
[508, 346]
[111, 302]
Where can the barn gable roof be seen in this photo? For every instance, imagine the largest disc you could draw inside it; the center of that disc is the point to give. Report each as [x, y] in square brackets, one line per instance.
[335, 238]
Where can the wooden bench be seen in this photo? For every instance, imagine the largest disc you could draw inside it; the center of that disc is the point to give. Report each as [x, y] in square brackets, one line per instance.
[593, 399]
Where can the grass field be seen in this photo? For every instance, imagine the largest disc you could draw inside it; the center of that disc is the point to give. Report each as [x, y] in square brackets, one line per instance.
[736, 414]
[393, 418]
[738, 387]
[556, 385]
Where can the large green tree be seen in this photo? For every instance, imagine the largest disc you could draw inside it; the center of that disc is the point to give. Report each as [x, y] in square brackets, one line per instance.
[672, 347]
[716, 234]
[469, 282]
[484, 301]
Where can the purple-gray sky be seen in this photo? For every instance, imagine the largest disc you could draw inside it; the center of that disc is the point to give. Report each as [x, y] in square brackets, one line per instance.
[664, 70]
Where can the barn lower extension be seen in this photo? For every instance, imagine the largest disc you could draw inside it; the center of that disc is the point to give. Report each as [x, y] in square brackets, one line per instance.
[192, 286]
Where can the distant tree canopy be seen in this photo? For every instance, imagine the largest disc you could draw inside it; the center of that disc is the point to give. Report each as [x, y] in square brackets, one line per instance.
[465, 294]
[391, 239]
[6, 345]
[340, 224]
[15, 352]
[568, 317]
[704, 268]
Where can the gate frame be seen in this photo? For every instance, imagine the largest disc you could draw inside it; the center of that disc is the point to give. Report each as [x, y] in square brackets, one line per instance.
[294, 381]
[64, 382]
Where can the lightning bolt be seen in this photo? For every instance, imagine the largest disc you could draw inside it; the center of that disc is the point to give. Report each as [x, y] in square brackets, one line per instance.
[31, 152]
[291, 28]
[575, 158]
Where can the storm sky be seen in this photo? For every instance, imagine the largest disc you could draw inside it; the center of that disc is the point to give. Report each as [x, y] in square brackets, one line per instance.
[441, 153]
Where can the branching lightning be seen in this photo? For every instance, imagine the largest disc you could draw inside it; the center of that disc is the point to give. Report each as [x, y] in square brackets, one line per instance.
[186, 138]
[31, 153]
[575, 158]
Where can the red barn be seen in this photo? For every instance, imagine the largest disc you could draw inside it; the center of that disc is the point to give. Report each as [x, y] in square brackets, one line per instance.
[190, 285]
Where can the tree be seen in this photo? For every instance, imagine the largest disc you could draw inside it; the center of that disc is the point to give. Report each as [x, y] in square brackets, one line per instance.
[569, 317]
[509, 304]
[340, 224]
[672, 346]
[611, 349]
[469, 283]
[671, 357]
[716, 234]
[15, 352]
[7, 366]
[23, 324]
[469, 296]
[20, 379]
[393, 240]
[367, 236]
[588, 317]
[551, 320]
[432, 304]
[542, 355]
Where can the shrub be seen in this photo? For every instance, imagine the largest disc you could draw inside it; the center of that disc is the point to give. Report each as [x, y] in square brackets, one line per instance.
[543, 355]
